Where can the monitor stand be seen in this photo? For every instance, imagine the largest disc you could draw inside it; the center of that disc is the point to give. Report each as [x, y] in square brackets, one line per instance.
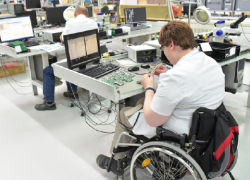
[134, 24]
[82, 67]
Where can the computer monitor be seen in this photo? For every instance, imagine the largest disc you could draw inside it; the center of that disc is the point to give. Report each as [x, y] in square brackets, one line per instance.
[90, 11]
[55, 14]
[18, 28]
[33, 4]
[82, 48]
[135, 15]
[186, 8]
[31, 14]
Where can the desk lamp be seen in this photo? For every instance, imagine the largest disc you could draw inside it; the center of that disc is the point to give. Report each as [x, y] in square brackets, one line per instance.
[201, 13]
[69, 12]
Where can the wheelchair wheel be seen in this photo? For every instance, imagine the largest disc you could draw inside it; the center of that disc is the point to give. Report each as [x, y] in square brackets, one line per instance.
[164, 161]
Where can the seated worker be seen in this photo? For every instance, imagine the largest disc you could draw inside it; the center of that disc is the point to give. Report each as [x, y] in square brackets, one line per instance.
[195, 80]
[80, 23]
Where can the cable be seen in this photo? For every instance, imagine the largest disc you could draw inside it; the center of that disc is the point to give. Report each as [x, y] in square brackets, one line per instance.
[16, 80]
[129, 128]
[87, 118]
[244, 33]
[8, 80]
[100, 105]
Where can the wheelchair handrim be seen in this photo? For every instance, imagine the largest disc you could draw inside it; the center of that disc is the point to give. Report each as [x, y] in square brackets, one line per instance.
[197, 174]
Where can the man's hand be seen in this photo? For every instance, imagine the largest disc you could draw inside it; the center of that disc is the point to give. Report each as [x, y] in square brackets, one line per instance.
[147, 81]
[159, 70]
[61, 38]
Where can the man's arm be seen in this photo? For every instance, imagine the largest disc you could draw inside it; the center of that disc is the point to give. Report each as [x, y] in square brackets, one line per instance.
[65, 31]
[152, 118]
[61, 39]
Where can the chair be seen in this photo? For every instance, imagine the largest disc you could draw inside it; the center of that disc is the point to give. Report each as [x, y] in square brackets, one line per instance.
[172, 156]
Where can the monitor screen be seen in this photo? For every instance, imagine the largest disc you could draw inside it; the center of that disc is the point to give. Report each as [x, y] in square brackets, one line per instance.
[15, 29]
[33, 4]
[90, 11]
[55, 14]
[31, 14]
[135, 15]
[82, 48]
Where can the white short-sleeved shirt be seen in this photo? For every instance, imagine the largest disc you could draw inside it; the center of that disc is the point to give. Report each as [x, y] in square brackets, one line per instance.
[195, 81]
[79, 24]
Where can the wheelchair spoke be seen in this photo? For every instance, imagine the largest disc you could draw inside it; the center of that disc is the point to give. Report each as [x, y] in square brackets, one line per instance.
[164, 166]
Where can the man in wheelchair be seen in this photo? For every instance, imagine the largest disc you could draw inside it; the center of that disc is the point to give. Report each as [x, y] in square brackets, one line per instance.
[154, 137]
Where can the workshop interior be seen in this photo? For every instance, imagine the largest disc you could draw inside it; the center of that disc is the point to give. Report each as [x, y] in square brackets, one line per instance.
[74, 73]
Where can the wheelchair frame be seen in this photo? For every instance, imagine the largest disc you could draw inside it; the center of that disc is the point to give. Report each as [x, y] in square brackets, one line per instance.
[157, 140]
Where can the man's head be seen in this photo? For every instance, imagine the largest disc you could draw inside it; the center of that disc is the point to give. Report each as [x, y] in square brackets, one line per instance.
[177, 39]
[81, 10]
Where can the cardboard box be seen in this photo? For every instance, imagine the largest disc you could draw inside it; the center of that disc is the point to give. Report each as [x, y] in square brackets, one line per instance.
[151, 1]
[67, 1]
[20, 68]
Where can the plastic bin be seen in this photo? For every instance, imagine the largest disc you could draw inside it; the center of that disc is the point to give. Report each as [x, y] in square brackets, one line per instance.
[222, 51]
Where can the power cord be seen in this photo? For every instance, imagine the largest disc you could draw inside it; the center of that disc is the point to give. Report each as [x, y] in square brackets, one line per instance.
[87, 118]
[16, 80]
[244, 33]
[129, 128]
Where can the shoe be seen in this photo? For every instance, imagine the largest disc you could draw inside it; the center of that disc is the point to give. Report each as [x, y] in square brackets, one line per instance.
[45, 106]
[102, 161]
[68, 94]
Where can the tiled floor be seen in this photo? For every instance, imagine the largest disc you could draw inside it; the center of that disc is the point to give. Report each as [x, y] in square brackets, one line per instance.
[59, 145]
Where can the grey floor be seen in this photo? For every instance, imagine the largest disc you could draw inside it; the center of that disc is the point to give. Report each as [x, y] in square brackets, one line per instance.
[59, 145]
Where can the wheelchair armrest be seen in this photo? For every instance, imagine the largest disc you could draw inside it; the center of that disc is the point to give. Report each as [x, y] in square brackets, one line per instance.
[168, 135]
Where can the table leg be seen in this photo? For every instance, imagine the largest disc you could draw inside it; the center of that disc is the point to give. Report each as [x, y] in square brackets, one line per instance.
[121, 105]
[149, 37]
[45, 59]
[248, 100]
[32, 74]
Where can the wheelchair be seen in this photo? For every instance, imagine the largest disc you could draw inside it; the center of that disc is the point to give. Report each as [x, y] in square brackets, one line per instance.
[166, 156]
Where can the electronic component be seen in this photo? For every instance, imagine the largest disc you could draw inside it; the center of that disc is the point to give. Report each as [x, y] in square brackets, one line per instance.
[165, 59]
[31, 14]
[118, 78]
[31, 43]
[156, 45]
[90, 11]
[103, 35]
[82, 48]
[141, 53]
[55, 14]
[53, 35]
[33, 4]
[14, 8]
[135, 15]
[119, 32]
[142, 26]
[16, 28]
